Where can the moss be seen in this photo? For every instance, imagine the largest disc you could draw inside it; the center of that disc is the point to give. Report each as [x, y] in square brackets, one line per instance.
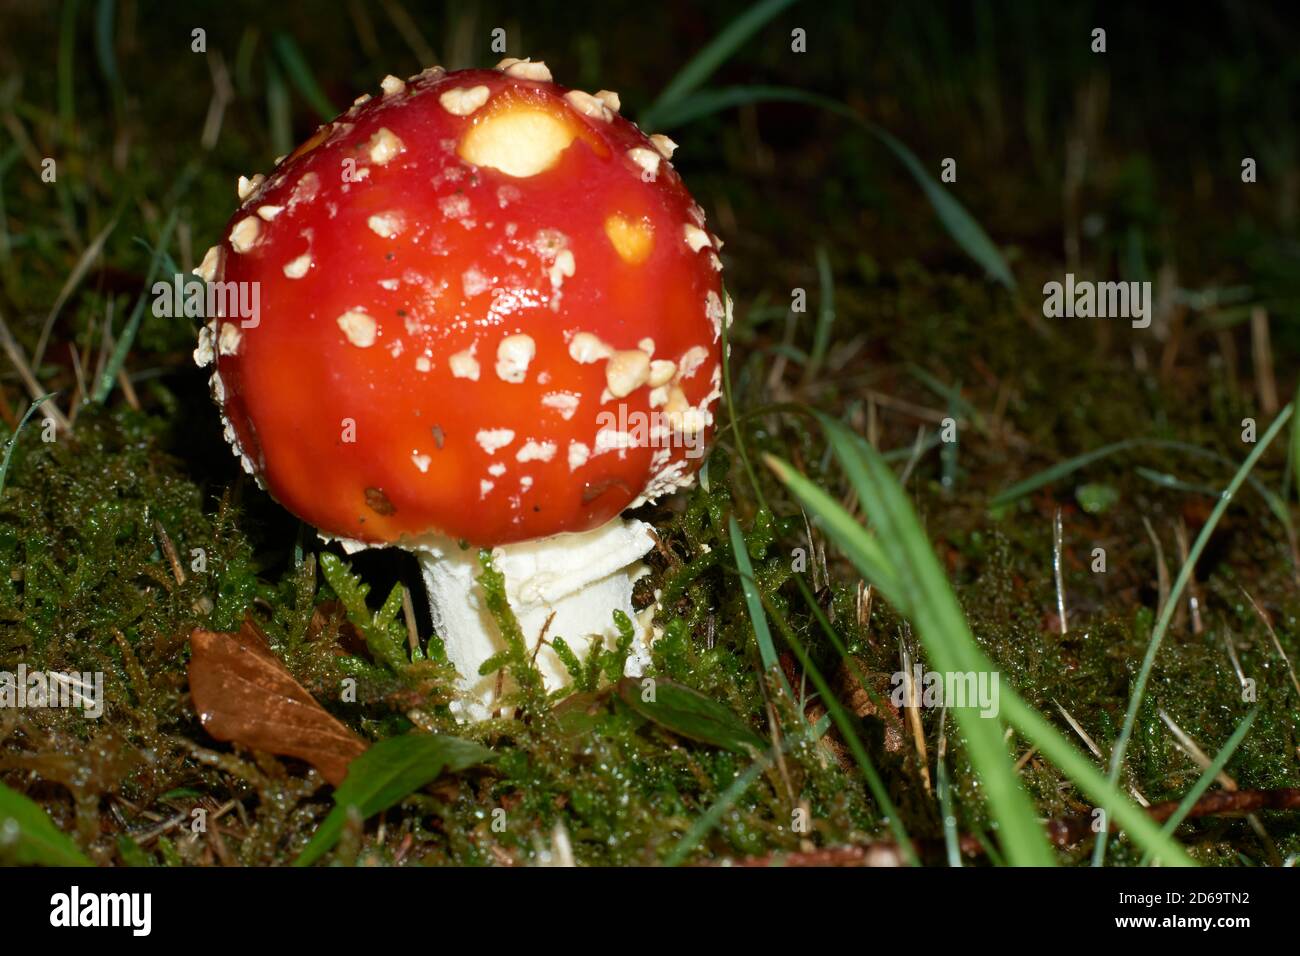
[89, 523]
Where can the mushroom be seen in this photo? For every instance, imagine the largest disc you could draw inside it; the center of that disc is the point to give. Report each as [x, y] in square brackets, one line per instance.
[490, 318]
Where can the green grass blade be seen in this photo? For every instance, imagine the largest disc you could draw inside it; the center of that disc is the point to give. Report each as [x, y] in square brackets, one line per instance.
[766, 649]
[707, 102]
[720, 49]
[922, 592]
[754, 603]
[278, 110]
[1171, 604]
[1069, 466]
[848, 730]
[79, 272]
[105, 19]
[959, 223]
[858, 545]
[1295, 447]
[935, 593]
[943, 789]
[67, 67]
[1207, 777]
[123, 346]
[927, 597]
[1172, 482]
[728, 401]
[820, 616]
[29, 838]
[7, 159]
[1060, 470]
[13, 439]
[951, 394]
[1053, 745]
[825, 315]
[300, 74]
[706, 821]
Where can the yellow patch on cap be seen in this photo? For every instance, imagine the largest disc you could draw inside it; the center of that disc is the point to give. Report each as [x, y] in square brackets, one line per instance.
[632, 239]
[518, 138]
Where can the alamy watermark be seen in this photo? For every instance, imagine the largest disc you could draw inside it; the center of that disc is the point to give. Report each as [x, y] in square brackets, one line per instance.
[1085, 299]
[946, 689]
[74, 908]
[193, 298]
[60, 689]
[655, 429]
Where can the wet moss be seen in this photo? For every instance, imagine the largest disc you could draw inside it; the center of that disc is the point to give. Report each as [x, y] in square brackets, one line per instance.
[89, 524]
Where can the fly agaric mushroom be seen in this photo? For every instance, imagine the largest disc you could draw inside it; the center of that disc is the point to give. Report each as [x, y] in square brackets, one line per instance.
[491, 317]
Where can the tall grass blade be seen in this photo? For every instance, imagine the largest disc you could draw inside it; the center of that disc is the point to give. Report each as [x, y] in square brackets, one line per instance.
[959, 223]
[1060, 470]
[302, 77]
[720, 49]
[1295, 447]
[925, 595]
[766, 649]
[123, 346]
[858, 545]
[70, 284]
[13, 439]
[943, 787]
[848, 730]
[105, 18]
[278, 110]
[1171, 605]
[825, 315]
[67, 67]
[921, 591]
[1145, 832]
[1065, 468]
[710, 817]
[754, 602]
[1207, 777]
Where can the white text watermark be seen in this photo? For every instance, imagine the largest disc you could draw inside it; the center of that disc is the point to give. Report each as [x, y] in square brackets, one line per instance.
[62, 689]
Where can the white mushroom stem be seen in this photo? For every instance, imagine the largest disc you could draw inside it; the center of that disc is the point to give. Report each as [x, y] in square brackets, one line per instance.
[581, 579]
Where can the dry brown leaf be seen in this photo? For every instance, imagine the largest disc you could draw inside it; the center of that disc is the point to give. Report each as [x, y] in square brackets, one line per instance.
[850, 690]
[329, 622]
[244, 695]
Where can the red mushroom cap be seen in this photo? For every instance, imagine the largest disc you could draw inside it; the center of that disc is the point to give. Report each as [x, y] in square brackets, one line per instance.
[489, 310]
